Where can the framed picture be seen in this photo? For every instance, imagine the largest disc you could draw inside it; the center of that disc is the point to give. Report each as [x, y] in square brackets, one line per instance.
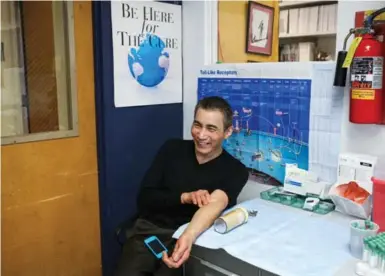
[259, 37]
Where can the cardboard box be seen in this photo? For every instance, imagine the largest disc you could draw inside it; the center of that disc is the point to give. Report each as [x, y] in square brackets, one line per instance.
[302, 182]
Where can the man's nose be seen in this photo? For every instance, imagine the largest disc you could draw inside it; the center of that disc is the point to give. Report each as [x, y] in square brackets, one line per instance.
[202, 133]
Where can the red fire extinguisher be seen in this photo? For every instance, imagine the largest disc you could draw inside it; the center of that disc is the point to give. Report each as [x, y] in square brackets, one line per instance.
[366, 78]
[366, 60]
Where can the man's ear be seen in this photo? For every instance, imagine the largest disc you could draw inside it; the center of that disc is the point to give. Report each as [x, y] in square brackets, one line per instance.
[228, 132]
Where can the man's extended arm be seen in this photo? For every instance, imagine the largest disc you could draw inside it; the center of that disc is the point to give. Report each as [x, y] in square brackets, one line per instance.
[206, 215]
[200, 222]
[220, 199]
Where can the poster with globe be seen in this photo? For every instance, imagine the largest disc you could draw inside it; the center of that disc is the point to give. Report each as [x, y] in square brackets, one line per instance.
[147, 50]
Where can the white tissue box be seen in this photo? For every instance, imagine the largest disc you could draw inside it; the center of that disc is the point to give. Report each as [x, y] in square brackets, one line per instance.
[358, 168]
[349, 207]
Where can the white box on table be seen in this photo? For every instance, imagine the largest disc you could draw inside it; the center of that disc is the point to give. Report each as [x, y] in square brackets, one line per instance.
[358, 168]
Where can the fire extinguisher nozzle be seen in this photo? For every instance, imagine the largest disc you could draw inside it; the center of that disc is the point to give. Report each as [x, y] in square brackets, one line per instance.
[340, 73]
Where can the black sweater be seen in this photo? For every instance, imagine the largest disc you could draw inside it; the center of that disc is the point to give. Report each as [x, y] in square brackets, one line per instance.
[176, 170]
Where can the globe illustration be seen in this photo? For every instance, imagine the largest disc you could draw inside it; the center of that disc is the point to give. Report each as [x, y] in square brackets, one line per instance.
[149, 63]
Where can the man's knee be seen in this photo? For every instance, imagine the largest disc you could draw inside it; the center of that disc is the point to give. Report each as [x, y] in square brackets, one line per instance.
[135, 259]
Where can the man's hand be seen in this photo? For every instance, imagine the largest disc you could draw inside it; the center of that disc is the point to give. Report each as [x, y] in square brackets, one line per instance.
[181, 251]
[202, 220]
[200, 198]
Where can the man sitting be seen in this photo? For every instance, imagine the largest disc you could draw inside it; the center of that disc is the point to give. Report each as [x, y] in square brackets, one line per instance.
[189, 181]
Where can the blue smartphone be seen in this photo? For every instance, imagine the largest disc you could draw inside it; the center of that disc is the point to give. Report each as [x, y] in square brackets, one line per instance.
[155, 246]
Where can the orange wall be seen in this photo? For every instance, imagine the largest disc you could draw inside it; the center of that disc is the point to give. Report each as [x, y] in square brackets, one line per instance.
[50, 205]
[232, 24]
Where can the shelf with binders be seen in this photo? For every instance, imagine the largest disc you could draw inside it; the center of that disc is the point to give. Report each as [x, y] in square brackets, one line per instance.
[311, 49]
[307, 35]
[287, 4]
[310, 28]
[308, 21]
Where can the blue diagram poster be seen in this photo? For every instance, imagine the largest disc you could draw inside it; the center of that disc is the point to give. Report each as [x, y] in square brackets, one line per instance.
[271, 121]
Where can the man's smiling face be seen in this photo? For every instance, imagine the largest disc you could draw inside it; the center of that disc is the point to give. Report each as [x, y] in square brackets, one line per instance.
[208, 131]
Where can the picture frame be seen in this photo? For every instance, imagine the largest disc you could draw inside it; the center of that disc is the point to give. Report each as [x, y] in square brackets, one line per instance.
[259, 32]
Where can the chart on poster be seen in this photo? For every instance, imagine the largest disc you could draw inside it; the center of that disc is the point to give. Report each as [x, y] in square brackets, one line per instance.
[270, 120]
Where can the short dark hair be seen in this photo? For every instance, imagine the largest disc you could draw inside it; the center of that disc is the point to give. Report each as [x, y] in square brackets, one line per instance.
[217, 103]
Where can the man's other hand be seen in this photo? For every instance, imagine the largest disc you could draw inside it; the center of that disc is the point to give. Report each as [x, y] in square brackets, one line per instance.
[181, 252]
[200, 198]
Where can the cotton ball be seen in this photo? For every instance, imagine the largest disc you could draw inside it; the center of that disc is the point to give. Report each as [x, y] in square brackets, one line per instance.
[137, 68]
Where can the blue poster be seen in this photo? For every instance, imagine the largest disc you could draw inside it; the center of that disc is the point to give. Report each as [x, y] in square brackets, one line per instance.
[271, 121]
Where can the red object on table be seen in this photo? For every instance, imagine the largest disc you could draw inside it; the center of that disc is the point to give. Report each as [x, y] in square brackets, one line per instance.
[379, 203]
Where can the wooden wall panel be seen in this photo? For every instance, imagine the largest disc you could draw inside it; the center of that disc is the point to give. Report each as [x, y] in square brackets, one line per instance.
[50, 202]
[232, 24]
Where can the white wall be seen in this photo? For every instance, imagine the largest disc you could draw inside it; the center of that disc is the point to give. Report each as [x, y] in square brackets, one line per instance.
[193, 57]
[199, 48]
[367, 139]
